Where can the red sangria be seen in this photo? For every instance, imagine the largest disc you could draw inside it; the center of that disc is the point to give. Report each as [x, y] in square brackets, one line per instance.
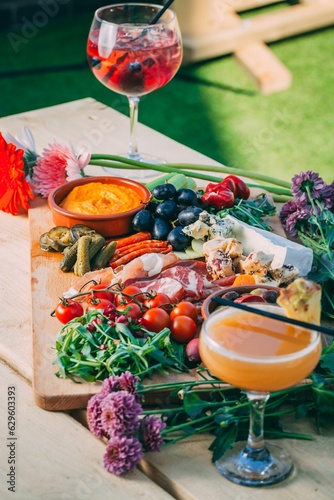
[132, 56]
[137, 64]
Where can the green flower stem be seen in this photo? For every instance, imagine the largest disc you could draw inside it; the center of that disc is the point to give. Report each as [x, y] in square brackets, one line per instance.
[186, 424]
[281, 198]
[182, 385]
[96, 159]
[317, 222]
[272, 189]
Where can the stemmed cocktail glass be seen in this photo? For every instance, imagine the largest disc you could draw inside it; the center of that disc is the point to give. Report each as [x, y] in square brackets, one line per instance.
[259, 355]
[133, 57]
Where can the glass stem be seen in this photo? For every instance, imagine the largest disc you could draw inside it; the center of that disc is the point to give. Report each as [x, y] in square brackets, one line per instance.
[255, 442]
[133, 146]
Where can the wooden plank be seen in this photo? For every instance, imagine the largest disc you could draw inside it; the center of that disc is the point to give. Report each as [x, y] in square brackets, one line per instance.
[267, 28]
[56, 457]
[268, 72]
[260, 63]
[243, 5]
[186, 470]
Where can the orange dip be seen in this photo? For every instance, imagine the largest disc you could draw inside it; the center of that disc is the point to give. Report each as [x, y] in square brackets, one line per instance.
[97, 198]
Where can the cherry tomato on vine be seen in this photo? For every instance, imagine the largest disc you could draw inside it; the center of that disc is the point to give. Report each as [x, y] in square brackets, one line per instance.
[185, 308]
[103, 294]
[159, 300]
[183, 329]
[95, 303]
[155, 319]
[67, 310]
[134, 310]
[132, 290]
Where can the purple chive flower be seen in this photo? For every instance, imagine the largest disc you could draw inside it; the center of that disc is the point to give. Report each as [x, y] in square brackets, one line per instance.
[120, 414]
[297, 220]
[149, 431]
[94, 415]
[287, 209]
[311, 181]
[122, 454]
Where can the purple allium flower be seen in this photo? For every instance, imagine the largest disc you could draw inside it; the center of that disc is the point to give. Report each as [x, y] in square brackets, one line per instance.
[297, 220]
[311, 181]
[287, 209]
[109, 385]
[120, 414]
[328, 196]
[122, 454]
[150, 437]
[128, 382]
[124, 382]
[94, 415]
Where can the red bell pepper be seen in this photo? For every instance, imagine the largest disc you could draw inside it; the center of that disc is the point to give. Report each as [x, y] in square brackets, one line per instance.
[218, 199]
[242, 190]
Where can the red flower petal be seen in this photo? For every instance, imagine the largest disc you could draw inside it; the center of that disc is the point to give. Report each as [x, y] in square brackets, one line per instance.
[15, 191]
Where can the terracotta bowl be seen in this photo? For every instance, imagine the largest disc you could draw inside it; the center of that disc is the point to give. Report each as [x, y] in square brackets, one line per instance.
[209, 306]
[113, 225]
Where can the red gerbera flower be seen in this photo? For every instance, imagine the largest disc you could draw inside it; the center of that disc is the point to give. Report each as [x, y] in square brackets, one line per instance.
[14, 189]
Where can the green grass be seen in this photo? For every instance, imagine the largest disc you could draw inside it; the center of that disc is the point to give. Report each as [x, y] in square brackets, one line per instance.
[212, 107]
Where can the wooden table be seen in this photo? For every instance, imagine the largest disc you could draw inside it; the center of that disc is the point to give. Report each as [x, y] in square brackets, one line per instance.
[56, 456]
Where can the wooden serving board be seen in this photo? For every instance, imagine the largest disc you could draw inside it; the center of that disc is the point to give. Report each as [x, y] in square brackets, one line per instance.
[48, 283]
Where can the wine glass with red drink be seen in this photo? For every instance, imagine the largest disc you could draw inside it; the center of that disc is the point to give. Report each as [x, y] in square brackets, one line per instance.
[132, 56]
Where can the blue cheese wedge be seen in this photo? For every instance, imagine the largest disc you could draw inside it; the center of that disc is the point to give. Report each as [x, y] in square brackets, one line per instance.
[198, 230]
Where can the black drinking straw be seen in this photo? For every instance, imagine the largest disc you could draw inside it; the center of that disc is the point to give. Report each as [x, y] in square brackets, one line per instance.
[159, 14]
[279, 317]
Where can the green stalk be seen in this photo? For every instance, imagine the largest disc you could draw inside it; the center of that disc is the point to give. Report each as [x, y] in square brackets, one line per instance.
[170, 167]
[272, 189]
[159, 168]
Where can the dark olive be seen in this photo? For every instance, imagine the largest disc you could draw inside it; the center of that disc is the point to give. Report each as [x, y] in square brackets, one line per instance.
[143, 221]
[167, 210]
[189, 215]
[230, 296]
[186, 197]
[178, 239]
[164, 191]
[161, 228]
[270, 296]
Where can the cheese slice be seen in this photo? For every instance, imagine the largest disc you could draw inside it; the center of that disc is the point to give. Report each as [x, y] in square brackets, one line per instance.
[285, 251]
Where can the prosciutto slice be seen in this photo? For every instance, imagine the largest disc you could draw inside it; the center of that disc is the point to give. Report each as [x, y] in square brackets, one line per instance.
[191, 281]
[167, 285]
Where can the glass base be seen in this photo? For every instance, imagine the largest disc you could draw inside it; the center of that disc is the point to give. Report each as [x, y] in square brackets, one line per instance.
[141, 175]
[242, 466]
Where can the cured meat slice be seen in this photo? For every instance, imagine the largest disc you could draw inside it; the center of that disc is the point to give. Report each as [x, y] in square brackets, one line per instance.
[188, 278]
[171, 287]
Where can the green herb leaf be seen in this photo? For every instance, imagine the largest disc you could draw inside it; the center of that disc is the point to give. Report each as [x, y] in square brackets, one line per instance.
[225, 439]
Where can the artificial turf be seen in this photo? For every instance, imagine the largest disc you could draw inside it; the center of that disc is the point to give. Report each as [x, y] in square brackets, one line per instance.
[212, 107]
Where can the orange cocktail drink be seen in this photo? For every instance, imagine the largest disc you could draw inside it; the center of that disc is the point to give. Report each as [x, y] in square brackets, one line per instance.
[256, 353]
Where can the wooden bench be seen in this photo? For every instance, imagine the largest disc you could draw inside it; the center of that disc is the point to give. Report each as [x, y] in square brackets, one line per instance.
[214, 28]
